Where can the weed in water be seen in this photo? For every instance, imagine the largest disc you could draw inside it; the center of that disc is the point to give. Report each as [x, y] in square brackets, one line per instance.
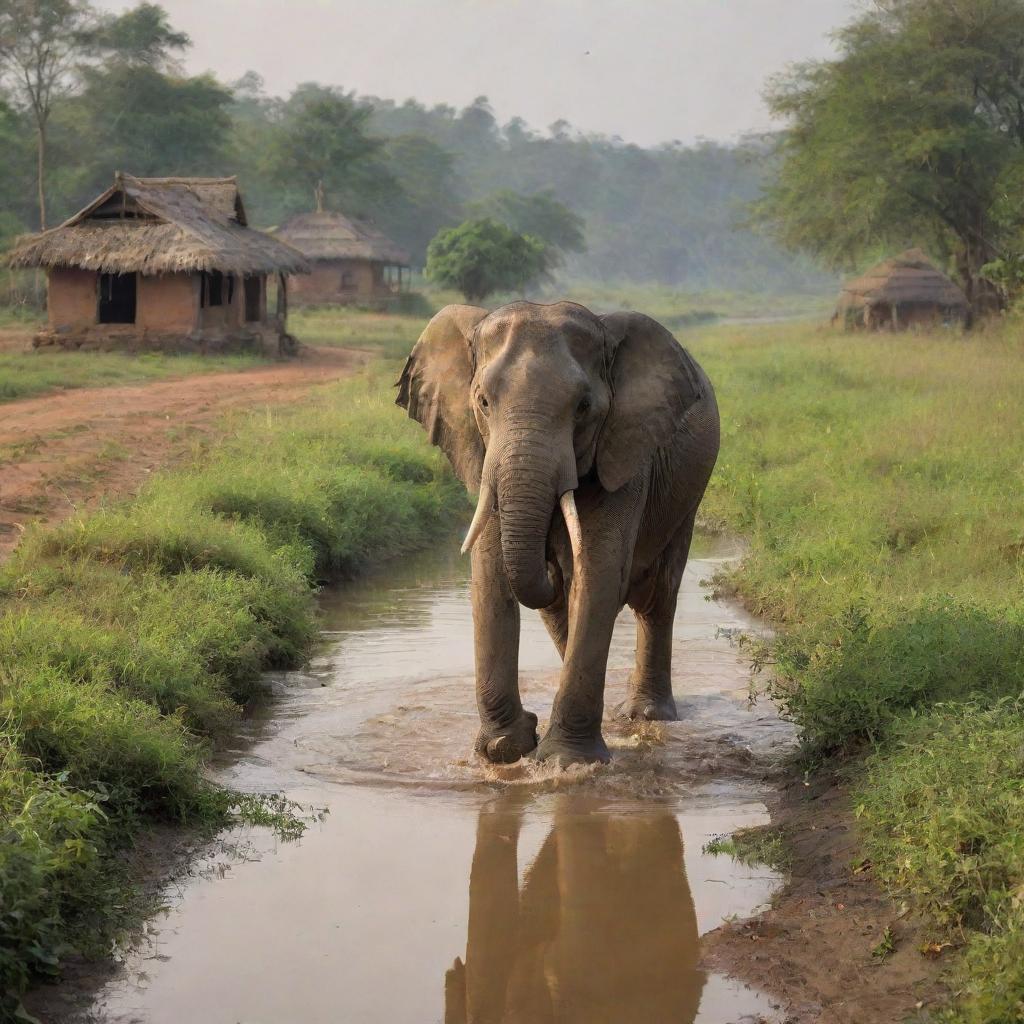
[753, 846]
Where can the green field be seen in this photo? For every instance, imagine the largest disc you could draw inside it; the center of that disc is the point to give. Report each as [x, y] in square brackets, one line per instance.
[880, 484]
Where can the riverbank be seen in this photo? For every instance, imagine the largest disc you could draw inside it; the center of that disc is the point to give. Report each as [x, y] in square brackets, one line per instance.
[878, 481]
[131, 637]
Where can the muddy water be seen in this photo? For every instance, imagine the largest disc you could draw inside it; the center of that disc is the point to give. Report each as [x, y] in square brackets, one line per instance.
[439, 891]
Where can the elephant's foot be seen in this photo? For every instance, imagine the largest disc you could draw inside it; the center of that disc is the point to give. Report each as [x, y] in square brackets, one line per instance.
[644, 707]
[567, 750]
[510, 743]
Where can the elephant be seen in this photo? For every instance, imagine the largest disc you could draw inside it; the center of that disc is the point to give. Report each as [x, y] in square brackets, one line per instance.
[602, 929]
[607, 420]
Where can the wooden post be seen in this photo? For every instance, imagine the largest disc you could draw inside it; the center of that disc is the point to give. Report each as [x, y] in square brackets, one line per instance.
[197, 300]
[282, 298]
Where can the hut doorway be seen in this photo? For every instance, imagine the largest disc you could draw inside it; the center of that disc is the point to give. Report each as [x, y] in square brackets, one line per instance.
[117, 299]
[253, 294]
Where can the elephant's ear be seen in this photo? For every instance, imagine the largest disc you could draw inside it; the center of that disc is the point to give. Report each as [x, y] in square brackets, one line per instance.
[434, 388]
[653, 382]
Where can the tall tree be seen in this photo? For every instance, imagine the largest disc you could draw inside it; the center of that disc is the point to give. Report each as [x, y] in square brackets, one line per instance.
[141, 36]
[427, 197]
[914, 134]
[41, 42]
[138, 112]
[323, 146]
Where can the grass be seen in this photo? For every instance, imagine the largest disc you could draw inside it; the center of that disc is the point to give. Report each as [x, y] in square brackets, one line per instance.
[385, 333]
[678, 309]
[131, 637]
[878, 480]
[23, 374]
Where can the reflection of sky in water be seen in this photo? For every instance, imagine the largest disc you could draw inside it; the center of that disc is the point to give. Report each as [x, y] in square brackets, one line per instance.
[571, 903]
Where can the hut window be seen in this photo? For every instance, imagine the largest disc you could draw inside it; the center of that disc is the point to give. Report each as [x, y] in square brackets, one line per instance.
[348, 280]
[253, 294]
[117, 299]
[213, 288]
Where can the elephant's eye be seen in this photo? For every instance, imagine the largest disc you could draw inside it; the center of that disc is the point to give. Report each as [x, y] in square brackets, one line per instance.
[583, 408]
[484, 404]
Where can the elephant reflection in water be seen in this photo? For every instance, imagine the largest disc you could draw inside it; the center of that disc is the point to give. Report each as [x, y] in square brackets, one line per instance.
[603, 930]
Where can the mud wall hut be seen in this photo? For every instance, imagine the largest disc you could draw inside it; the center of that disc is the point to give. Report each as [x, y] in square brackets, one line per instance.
[163, 263]
[352, 262]
[902, 292]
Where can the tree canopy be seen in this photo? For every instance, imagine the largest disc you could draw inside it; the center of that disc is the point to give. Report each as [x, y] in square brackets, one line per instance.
[481, 257]
[540, 215]
[323, 147]
[913, 135]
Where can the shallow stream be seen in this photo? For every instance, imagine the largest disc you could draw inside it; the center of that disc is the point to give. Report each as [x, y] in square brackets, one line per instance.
[437, 890]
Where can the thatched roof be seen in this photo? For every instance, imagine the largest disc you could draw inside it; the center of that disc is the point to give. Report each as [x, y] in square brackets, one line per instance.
[157, 226]
[325, 235]
[909, 279]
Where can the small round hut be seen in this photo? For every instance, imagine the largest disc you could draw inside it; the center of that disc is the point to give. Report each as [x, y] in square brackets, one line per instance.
[902, 292]
[352, 262]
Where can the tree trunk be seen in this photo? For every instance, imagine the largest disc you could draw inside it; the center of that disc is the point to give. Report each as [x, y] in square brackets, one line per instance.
[983, 297]
[41, 174]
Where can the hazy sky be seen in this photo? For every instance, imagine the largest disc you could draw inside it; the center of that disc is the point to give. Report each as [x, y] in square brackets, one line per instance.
[646, 70]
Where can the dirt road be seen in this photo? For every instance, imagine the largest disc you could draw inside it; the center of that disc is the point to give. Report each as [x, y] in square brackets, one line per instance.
[76, 449]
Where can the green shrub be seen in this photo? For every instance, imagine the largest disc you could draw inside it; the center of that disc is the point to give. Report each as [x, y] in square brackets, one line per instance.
[101, 741]
[853, 679]
[50, 841]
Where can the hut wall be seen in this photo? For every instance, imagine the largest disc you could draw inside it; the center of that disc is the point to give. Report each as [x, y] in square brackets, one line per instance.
[338, 281]
[72, 297]
[167, 303]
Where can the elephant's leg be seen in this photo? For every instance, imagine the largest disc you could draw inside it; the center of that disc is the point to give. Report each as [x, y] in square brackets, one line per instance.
[650, 683]
[507, 732]
[596, 594]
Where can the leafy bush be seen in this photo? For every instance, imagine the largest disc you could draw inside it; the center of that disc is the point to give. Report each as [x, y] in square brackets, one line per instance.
[50, 840]
[481, 257]
[854, 679]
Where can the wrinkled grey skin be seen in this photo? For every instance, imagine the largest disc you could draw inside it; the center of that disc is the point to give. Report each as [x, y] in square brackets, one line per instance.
[532, 401]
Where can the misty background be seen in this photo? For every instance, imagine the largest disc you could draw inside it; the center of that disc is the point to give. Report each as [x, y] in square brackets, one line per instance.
[644, 119]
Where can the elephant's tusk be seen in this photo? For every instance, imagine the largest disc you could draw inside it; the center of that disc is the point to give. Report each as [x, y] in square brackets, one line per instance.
[572, 523]
[480, 517]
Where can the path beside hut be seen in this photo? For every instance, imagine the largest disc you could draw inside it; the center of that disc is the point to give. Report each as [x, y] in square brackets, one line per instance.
[77, 449]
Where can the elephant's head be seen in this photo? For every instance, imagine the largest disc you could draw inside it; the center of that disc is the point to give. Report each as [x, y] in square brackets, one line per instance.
[528, 400]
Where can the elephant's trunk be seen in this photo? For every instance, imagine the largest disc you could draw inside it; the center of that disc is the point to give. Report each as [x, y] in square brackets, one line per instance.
[531, 479]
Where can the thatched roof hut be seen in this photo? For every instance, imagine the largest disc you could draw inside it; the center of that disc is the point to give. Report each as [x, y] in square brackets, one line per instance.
[154, 263]
[161, 226]
[352, 261]
[901, 292]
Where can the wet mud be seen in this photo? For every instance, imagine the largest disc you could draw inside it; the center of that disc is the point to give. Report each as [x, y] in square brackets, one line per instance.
[439, 889]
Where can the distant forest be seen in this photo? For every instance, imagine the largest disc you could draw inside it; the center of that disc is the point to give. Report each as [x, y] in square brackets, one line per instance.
[672, 215]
